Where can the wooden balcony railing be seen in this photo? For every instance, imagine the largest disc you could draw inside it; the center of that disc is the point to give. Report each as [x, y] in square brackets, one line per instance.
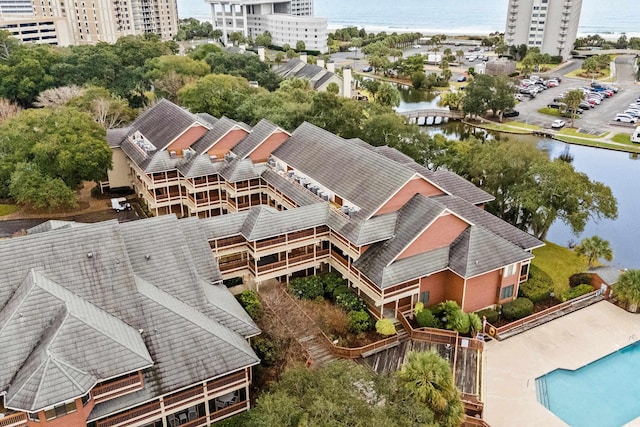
[19, 419]
[354, 353]
[150, 411]
[184, 397]
[231, 409]
[222, 383]
[115, 388]
[226, 267]
[199, 422]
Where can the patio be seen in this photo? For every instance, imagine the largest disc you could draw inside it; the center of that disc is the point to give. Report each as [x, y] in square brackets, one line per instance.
[512, 365]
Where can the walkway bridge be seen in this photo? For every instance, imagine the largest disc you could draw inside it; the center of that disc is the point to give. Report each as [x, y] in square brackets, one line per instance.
[428, 116]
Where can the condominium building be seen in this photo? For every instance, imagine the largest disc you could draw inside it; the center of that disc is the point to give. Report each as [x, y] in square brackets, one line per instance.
[84, 22]
[114, 325]
[288, 22]
[551, 25]
[273, 204]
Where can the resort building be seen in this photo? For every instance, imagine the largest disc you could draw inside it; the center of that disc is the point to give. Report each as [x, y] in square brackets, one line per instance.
[274, 204]
[549, 25]
[113, 325]
[288, 22]
[89, 22]
[319, 78]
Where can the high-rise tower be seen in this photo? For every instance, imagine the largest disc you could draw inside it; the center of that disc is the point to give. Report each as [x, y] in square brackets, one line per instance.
[551, 25]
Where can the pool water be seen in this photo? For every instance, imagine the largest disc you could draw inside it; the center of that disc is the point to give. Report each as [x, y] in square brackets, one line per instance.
[604, 393]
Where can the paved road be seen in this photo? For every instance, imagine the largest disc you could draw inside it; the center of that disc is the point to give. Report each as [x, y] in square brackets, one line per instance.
[624, 69]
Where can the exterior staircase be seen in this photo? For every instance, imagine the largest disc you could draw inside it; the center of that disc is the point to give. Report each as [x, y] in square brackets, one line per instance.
[302, 328]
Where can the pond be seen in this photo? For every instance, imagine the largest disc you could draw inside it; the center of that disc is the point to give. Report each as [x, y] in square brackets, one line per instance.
[620, 171]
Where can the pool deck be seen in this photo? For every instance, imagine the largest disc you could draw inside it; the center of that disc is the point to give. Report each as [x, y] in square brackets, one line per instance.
[511, 366]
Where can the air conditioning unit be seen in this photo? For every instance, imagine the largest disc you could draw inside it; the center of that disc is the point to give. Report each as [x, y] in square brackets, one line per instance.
[172, 154]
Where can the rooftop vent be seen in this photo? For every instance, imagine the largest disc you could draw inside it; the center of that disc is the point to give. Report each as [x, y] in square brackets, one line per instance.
[147, 257]
[89, 254]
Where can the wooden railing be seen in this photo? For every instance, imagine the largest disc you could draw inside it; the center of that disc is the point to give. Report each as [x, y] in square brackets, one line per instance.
[186, 396]
[111, 389]
[19, 419]
[474, 422]
[202, 421]
[355, 352]
[222, 382]
[541, 314]
[233, 265]
[228, 410]
[149, 411]
[439, 336]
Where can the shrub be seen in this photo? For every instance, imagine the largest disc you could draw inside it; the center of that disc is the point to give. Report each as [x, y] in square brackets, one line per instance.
[576, 292]
[458, 321]
[539, 286]
[330, 283]
[579, 279]
[517, 309]
[339, 290]
[426, 319]
[385, 327]
[359, 321]
[514, 74]
[476, 322]
[418, 307]
[349, 301]
[489, 313]
[555, 59]
[250, 301]
[307, 287]
[266, 351]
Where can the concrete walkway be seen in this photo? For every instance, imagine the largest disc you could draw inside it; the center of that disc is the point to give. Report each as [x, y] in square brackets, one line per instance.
[569, 342]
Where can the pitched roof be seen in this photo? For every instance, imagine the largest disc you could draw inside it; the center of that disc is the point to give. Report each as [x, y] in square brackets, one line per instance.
[259, 133]
[320, 154]
[223, 126]
[84, 304]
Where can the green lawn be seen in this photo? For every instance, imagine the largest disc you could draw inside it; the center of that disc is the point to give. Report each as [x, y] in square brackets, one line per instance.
[589, 142]
[524, 125]
[504, 128]
[8, 209]
[574, 132]
[560, 263]
[603, 74]
[623, 138]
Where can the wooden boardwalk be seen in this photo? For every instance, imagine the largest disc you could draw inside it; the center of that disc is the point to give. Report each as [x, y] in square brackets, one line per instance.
[298, 323]
[467, 369]
[450, 114]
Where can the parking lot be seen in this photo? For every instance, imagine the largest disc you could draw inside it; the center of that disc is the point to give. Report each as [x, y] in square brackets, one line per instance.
[596, 120]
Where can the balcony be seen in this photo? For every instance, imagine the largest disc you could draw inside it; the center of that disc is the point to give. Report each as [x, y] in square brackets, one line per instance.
[149, 412]
[113, 389]
[18, 419]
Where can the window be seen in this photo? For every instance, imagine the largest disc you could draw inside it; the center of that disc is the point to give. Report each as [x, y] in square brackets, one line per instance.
[506, 292]
[510, 270]
[424, 297]
[33, 416]
[60, 410]
[86, 398]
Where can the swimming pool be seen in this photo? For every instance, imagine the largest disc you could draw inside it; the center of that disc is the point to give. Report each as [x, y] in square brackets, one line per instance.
[604, 393]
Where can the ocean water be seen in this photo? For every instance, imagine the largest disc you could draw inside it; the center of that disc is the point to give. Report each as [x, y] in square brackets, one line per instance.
[609, 19]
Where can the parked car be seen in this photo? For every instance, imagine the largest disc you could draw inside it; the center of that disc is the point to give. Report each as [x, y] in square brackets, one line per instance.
[558, 124]
[519, 96]
[416, 46]
[557, 105]
[558, 98]
[462, 79]
[510, 113]
[632, 113]
[625, 118]
[367, 69]
[585, 105]
[552, 83]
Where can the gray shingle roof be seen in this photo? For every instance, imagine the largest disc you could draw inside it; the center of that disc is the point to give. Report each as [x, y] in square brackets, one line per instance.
[300, 195]
[265, 222]
[52, 224]
[477, 251]
[238, 170]
[115, 136]
[412, 219]
[609, 274]
[74, 300]
[479, 216]
[347, 169]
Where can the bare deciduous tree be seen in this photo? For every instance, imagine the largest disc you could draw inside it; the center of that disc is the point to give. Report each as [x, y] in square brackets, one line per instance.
[58, 96]
[8, 109]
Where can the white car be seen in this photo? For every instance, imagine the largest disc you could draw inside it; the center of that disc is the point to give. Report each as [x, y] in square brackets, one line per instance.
[416, 46]
[557, 124]
[625, 118]
[632, 113]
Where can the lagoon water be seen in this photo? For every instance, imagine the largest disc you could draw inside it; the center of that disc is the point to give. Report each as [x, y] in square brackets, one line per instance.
[449, 17]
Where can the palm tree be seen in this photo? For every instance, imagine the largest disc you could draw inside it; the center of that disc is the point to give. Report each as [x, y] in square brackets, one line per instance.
[428, 378]
[628, 289]
[594, 248]
[573, 98]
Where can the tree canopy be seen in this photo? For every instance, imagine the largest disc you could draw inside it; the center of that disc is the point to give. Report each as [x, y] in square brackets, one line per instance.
[628, 287]
[338, 394]
[594, 248]
[51, 148]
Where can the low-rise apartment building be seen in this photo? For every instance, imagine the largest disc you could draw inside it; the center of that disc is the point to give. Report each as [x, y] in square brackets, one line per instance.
[114, 325]
[274, 204]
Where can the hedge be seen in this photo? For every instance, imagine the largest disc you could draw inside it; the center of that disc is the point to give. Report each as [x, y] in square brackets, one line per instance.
[251, 303]
[539, 286]
[426, 319]
[349, 301]
[576, 292]
[359, 321]
[489, 313]
[579, 279]
[307, 287]
[517, 309]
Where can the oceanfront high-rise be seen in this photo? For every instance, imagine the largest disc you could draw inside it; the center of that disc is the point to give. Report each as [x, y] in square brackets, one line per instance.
[551, 25]
[288, 22]
[84, 22]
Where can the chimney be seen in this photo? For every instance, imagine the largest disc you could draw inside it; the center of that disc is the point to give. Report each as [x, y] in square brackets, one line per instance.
[261, 54]
[303, 57]
[346, 77]
[331, 66]
[320, 63]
